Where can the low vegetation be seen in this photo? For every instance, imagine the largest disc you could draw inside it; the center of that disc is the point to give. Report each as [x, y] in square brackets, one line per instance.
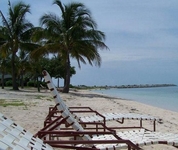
[6, 103]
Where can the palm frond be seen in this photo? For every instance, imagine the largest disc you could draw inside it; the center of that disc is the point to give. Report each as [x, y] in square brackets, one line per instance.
[5, 22]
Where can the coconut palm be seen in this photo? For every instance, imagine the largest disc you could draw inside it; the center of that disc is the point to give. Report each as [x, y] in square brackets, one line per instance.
[72, 34]
[4, 68]
[23, 64]
[15, 32]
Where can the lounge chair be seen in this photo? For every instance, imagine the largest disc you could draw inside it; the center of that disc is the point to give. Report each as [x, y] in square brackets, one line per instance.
[138, 137]
[118, 117]
[98, 117]
[13, 136]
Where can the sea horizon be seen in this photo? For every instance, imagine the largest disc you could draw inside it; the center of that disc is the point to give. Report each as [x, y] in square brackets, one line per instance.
[162, 97]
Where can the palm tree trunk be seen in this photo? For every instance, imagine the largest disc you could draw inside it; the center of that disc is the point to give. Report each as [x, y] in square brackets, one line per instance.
[67, 79]
[2, 80]
[38, 84]
[58, 82]
[22, 80]
[14, 75]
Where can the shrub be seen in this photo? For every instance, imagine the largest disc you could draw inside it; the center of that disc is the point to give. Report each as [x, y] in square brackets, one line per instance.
[71, 86]
[31, 83]
[43, 84]
[8, 83]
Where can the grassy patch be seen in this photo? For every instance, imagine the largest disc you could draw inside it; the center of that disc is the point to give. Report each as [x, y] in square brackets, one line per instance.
[48, 99]
[43, 97]
[5, 103]
[39, 96]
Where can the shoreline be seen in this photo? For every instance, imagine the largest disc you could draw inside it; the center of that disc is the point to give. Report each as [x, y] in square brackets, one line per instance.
[32, 114]
[161, 97]
[128, 86]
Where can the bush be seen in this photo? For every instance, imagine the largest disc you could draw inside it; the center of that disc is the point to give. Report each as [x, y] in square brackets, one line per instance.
[31, 84]
[8, 83]
[43, 84]
[71, 86]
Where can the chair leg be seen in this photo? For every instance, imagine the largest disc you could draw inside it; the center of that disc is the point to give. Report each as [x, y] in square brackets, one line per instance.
[154, 125]
[141, 124]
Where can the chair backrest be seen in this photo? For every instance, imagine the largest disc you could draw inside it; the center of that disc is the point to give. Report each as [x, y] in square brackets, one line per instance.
[62, 107]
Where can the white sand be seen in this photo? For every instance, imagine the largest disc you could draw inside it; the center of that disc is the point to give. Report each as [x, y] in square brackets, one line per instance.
[32, 114]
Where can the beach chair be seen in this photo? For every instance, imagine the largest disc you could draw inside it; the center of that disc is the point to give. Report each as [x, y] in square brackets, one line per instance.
[130, 138]
[13, 136]
[118, 117]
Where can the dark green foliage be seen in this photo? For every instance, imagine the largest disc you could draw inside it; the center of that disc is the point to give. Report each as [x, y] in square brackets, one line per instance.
[74, 35]
[32, 84]
[8, 83]
[15, 35]
[71, 35]
[71, 86]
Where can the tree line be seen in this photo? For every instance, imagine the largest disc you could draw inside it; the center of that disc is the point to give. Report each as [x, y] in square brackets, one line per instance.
[70, 34]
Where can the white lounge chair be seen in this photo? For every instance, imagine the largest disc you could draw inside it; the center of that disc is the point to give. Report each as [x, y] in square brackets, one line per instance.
[120, 118]
[97, 117]
[141, 138]
[14, 137]
[138, 137]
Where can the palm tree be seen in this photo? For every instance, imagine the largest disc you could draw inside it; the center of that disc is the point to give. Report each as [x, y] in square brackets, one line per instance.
[15, 32]
[23, 64]
[4, 68]
[73, 35]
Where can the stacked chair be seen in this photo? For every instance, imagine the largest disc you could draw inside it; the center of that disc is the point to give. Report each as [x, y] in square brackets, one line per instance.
[61, 123]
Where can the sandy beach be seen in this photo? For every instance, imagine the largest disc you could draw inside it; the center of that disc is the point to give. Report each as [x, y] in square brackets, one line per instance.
[33, 107]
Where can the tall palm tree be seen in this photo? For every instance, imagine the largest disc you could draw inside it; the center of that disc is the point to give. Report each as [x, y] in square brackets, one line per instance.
[72, 34]
[23, 64]
[4, 68]
[15, 33]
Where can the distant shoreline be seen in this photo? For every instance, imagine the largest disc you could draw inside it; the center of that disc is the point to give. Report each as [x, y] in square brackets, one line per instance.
[145, 85]
[128, 86]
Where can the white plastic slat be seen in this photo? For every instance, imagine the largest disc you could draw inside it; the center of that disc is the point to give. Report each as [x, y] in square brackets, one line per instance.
[6, 142]
[117, 116]
[66, 113]
[17, 147]
[49, 85]
[14, 137]
[3, 144]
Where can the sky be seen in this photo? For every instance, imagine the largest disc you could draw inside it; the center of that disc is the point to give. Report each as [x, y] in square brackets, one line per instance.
[142, 37]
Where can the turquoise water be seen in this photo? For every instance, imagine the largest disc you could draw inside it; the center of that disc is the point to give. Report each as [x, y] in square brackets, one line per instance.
[163, 97]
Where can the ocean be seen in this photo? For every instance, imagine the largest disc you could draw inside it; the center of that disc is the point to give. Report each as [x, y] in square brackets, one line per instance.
[162, 97]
